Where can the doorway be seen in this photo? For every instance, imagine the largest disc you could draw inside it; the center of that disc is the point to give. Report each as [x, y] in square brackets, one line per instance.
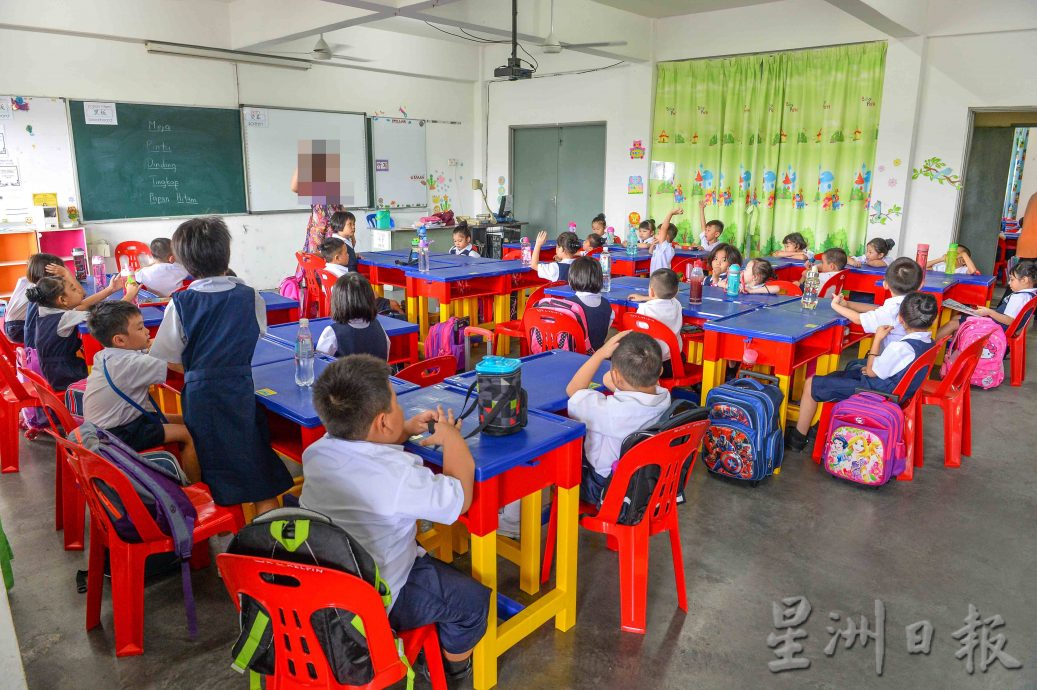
[557, 176]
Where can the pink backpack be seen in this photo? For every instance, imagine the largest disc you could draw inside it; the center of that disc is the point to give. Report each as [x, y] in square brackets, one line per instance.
[990, 371]
[866, 441]
[291, 287]
[537, 340]
[447, 338]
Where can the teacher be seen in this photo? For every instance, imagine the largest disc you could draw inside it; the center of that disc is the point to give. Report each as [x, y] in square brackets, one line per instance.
[1026, 247]
[317, 227]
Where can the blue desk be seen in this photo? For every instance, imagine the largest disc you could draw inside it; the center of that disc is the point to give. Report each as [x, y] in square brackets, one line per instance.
[279, 309]
[545, 377]
[268, 351]
[403, 336]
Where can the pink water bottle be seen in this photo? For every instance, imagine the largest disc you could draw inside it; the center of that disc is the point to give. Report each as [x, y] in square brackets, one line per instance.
[922, 255]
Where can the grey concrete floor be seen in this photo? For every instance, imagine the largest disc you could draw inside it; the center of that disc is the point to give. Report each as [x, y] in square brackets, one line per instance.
[927, 549]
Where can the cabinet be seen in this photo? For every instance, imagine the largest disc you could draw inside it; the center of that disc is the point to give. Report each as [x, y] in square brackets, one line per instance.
[18, 244]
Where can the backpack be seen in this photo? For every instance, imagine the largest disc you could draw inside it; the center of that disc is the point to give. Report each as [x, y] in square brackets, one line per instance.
[297, 535]
[74, 399]
[866, 441]
[540, 342]
[291, 287]
[447, 338]
[990, 370]
[32, 418]
[158, 481]
[642, 481]
[744, 439]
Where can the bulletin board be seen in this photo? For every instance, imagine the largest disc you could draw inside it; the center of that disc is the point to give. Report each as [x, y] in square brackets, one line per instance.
[399, 162]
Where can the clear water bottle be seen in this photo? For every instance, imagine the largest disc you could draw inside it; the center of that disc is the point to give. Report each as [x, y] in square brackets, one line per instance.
[606, 269]
[811, 288]
[734, 280]
[527, 253]
[696, 276]
[79, 260]
[631, 241]
[610, 235]
[304, 355]
[423, 257]
[97, 268]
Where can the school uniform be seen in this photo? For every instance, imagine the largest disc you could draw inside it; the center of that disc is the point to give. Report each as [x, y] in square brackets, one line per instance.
[469, 250]
[609, 420]
[382, 305]
[353, 261]
[707, 246]
[162, 278]
[356, 337]
[376, 492]
[942, 267]
[885, 315]
[17, 306]
[1013, 303]
[863, 259]
[54, 334]
[670, 312]
[825, 276]
[889, 368]
[716, 281]
[554, 270]
[212, 328]
[598, 312]
[133, 373]
[662, 256]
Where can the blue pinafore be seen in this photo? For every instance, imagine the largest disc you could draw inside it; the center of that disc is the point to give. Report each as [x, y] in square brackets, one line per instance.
[219, 401]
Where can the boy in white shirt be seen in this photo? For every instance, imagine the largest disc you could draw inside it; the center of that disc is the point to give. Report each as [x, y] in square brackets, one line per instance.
[964, 266]
[637, 401]
[832, 261]
[360, 476]
[337, 257]
[165, 275]
[662, 304]
[117, 398]
[711, 231]
[902, 277]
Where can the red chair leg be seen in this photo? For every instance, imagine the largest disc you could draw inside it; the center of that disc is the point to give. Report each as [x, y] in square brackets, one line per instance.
[549, 546]
[94, 577]
[60, 480]
[434, 659]
[822, 431]
[909, 441]
[1018, 363]
[966, 423]
[200, 556]
[952, 432]
[73, 507]
[9, 437]
[678, 563]
[633, 576]
[127, 567]
[919, 436]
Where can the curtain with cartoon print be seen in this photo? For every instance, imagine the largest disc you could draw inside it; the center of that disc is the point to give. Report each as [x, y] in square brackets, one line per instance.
[771, 144]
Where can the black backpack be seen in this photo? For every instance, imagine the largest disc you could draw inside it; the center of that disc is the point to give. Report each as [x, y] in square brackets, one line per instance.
[643, 481]
[297, 535]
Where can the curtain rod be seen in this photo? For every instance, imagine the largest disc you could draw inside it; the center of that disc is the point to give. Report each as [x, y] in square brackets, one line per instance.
[775, 52]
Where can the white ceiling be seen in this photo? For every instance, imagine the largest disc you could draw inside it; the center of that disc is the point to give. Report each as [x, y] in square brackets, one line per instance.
[673, 8]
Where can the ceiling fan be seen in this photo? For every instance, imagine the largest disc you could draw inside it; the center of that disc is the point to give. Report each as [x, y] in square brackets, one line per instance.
[322, 52]
[552, 45]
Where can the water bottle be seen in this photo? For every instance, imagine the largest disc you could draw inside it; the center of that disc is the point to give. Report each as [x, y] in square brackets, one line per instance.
[423, 257]
[922, 255]
[632, 242]
[696, 276]
[610, 235]
[527, 253]
[79, 259]
[952, 259]
[572, 226]
[734, 280]
[97, 268]
[811, 288]
[606, 269]
[304, 355]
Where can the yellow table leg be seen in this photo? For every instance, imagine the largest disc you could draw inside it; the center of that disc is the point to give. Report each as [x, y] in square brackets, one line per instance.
[444, 312]
[864, 347]
[460, 538]
[379, 290]
[501, 312]
[783, 384]
[529, 558]
[484, 570]
[710, 375]
[568, 536]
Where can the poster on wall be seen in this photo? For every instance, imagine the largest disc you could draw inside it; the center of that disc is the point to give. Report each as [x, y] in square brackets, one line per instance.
[636, 185]
[5, 108]
[3, 141]
[9, 176]
[96, 113]
[256, 117]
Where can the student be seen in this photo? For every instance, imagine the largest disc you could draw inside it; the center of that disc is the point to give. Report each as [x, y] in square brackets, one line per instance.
[662, 305]
[1022, 286]
[117, 397]
[880, 371]
[343, 226]
[964, 265]
[902, 277]
[360, 476]
[566, 250]
[593, 241]
[463, 241]
[662, 250]
[637, 400]
[711, 231]
[794, 246]
[720, 259]
[876, 254]
[646, 234]
[336, 255]
[52, 326]
[354, 325]
[599, 227]
[18, 303]
[210, 331]
[755, 276]
[832, 261]
[585, 278]
[165, 274]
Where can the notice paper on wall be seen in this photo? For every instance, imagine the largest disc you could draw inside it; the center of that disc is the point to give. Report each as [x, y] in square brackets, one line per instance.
[3, 141]
[98, 113]
[9, 176]
[255, 117]
[6, 112]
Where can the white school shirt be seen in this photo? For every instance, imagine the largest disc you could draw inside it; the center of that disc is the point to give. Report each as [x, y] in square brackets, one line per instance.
[170, 341]
[610, 418]
[897, 356]
[133, 372]
[1018, 300]
[548, 270]
[885, 315]
[70, 319]
[18, 304]
[863, 260]
[942, 266]
[328, 341]
[162, 278]
[708, 246]
[337, 270]
[377, 492]
[825, 276]
[456, 251]
[669, 311]
[662, 255]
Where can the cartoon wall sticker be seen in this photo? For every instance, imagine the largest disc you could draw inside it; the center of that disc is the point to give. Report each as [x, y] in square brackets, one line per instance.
[664, 138]
[635, 185]
[637, 151]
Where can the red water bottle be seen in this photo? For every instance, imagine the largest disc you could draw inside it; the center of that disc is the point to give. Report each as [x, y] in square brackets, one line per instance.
[922, 255]
[695, 278]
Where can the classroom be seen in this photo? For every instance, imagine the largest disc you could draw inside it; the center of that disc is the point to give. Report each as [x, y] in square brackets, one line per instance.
[517, 343]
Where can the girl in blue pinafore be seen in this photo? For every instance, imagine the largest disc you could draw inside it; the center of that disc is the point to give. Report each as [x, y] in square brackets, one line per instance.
[212, 329]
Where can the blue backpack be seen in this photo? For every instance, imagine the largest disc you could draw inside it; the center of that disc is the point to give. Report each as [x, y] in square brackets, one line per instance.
[744, 439]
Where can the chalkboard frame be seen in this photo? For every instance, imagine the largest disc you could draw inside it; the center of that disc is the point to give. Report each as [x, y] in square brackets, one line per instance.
[374, 158]
[75, 161]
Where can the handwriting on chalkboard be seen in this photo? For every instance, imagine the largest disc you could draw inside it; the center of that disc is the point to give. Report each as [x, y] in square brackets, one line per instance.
[154, 126]
[157, 147]
[152, 164]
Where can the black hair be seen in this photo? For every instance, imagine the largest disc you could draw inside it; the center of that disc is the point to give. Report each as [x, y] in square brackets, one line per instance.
[962, 249]
[1026, 268]
[796, 240]
[330, 247]
[230, 273]
[37, 268]
[353, 298]
[585, 275]
[882, 246]
[919, 310]
[46, 291]
[202, 245]
[600, 218]
[638, 359]
[339, 219]
[762, 271]
[569, 242]
[462, 229]
[162, 248]
[648, 224]
[836, 256]
[717, 223]
[350, 393]
[904, 276]
[671, 232]
[664, 282]
[110, 318]
[596, 241]
[733, 255]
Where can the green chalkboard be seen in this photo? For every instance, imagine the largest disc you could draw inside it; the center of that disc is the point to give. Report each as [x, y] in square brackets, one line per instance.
[159, 161]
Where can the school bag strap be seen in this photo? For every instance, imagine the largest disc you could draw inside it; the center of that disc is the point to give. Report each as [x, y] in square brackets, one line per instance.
[133, 403]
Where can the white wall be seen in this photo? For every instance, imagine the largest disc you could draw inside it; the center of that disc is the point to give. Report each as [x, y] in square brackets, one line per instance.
[1029, 186]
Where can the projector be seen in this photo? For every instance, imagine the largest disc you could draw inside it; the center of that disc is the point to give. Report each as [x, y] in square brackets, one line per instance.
[513, 70]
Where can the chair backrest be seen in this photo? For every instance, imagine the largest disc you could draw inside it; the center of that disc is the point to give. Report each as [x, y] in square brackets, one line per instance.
[430, 371]
[9, 378]
[310, 264]
[552, 325]
[327, 282]
[538, 292]
[834, 285]
[919, 369]
[1021, 320]
[593, 252]
[786, 287]
[632, 321]
[960, 373]
[819, 256]
[291, 593]
[54, 407]
[7, 349]
[131, 251]
[669, 450]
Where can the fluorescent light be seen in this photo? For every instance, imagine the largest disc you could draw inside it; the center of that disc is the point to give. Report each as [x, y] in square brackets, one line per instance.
[229, 55]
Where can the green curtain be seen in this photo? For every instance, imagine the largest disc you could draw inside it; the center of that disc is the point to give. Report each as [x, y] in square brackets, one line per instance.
[775, 143]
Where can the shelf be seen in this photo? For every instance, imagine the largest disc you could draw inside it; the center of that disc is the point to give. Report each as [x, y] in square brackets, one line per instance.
[14, 263]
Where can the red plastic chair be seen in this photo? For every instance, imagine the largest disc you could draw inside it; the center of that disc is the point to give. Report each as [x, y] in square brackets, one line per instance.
[593, 252]
[553, 326]
[669, 450]
[131, 251]
[429, 372]
[293, 592]
[312, 295]
[953, 394]
[1016, 335]
[787, 287]
[911, 408]
[327, 282]
[819, 256]
[14, 397]
[682, 376]
[127, 560]
[833, 285]
[514, 328]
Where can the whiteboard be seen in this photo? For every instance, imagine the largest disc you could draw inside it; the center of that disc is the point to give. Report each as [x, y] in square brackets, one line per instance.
[400, 163]
[272, 137]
